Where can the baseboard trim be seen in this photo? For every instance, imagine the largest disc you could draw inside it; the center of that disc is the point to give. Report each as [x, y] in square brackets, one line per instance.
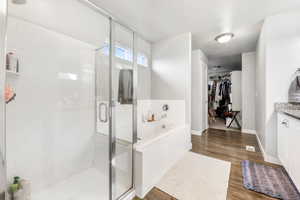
[261, 147]
[249, 131]
[272, 159]
[195, 132]
[267, 158]
[129, 196]
[190, 146]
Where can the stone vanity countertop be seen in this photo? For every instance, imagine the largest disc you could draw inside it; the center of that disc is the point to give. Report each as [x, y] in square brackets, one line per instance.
[292, 110]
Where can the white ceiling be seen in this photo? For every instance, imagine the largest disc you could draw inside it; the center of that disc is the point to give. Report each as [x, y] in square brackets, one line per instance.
[205, 19]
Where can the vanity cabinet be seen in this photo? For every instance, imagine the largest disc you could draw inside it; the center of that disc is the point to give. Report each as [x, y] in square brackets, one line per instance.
[289, 145]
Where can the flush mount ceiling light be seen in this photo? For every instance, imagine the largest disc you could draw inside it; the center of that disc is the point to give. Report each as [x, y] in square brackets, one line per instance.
[224, 38]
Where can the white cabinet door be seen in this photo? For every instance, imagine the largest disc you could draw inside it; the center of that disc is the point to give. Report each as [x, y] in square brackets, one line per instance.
[289, 146]
[294, 150]
[283, 135]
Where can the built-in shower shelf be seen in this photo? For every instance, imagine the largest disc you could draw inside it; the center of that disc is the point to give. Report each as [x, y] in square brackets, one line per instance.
[12, 73]
[151, 122]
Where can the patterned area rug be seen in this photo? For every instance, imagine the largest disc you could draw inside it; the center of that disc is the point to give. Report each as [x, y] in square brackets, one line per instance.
[274, 182]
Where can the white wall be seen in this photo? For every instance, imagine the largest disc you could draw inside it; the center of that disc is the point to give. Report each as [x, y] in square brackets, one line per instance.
[50, 125]
[278, 59]
[199, 91]
[171, 70]
[144, 83]
[260, 96]
[248, 91]
[144, 73]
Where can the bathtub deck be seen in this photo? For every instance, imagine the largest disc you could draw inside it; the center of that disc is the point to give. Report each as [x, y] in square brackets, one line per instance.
[229, 146]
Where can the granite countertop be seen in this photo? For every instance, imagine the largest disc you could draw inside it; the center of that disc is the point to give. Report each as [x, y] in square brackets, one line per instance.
[292, 110]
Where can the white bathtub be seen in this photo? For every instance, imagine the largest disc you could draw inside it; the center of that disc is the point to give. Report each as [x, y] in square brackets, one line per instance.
[158, 150]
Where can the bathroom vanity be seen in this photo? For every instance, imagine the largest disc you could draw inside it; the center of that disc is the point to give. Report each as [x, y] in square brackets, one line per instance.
[288, 129]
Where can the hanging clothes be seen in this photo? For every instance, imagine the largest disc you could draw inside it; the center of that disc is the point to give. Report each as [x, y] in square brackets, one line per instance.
[219, 94]
[225, 90]
[218, 91]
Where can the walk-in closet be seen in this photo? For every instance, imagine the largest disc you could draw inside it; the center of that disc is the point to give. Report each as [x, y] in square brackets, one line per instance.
[224, 100]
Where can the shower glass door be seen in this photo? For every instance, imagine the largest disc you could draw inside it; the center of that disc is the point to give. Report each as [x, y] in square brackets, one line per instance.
[115, 108]
[122, 98]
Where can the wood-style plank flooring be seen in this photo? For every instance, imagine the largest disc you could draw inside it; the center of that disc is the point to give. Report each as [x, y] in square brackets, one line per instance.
[228, 146]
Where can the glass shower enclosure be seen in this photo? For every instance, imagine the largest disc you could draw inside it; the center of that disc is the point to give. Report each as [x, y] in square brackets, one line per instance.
[70, 129]
[116, 105]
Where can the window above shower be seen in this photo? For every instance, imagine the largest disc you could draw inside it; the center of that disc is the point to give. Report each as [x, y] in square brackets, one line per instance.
[142, 60]
[126, 54]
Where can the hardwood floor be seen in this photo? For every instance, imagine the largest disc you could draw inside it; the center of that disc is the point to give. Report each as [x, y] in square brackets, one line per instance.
[228, 146]
[156, 194]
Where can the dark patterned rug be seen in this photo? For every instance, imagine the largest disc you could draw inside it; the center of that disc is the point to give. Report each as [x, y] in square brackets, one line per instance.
[274, 182]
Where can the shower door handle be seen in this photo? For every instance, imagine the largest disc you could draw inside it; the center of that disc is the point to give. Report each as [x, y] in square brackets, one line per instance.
[103, 115]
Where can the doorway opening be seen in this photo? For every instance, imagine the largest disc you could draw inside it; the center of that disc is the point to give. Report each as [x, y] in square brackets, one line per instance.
[224, 98]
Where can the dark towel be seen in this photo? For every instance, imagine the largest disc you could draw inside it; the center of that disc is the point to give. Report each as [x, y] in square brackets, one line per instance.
[125, 93]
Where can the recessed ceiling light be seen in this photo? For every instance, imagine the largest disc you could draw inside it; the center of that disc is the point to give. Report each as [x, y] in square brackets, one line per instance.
[19, 1]
[216, 68]
[224, 38]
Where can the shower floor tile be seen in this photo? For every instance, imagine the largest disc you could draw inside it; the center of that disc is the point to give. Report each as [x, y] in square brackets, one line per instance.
[90, 184]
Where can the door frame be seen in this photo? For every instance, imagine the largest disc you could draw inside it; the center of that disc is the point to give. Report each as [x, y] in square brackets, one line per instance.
[112, 114]
[205, 91]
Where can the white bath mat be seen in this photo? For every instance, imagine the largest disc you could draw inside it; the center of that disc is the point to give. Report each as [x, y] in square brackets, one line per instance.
[197, 177]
